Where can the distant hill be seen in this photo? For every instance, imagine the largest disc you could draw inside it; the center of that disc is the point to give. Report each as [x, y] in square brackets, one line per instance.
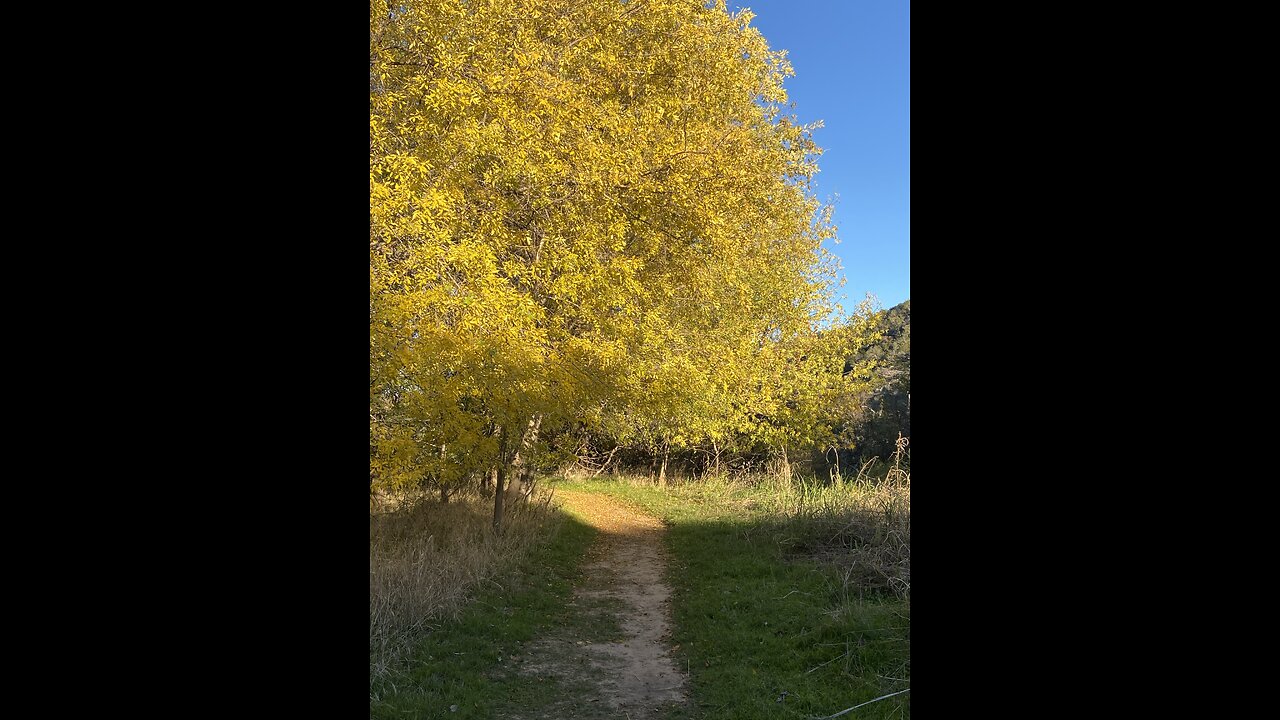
[888, 410]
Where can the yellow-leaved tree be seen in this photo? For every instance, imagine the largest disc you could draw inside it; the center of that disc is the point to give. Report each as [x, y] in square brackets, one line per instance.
[588, 211]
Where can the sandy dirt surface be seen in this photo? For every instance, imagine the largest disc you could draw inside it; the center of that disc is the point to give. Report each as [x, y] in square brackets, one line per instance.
[630, 675]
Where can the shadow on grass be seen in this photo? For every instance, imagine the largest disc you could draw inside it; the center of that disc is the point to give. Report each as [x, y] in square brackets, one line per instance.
[766, 631]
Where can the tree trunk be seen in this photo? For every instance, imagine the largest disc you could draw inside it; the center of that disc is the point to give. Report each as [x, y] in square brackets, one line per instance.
[499, 476]
[497, 499]
[444, 492]
[716, 448]
[662, 474]
[522, 466]
[786, 465]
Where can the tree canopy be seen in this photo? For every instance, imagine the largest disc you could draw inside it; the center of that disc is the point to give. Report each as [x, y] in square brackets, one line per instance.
[590, 213]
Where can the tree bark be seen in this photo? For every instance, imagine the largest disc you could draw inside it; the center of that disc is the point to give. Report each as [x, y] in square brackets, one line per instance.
[444, 491]
[522, 466]
[662, 474]
[606, 461]
[499, 476]
[497, 500]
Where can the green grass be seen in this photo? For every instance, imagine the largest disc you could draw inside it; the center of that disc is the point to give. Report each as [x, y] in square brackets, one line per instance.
[756, 617]
[764, 629]
[467, 663]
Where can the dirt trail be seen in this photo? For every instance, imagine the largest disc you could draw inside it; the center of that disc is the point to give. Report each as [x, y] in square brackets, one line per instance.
[629, 672]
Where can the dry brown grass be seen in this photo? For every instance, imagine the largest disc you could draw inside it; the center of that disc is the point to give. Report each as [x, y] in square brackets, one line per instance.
[863, 526]
[859, 525]
[425, 557]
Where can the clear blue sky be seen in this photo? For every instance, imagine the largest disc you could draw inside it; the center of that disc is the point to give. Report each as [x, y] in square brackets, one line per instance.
[852, 60]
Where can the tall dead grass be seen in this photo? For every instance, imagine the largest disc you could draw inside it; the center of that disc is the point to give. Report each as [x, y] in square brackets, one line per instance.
[861, 525]
[425, 557]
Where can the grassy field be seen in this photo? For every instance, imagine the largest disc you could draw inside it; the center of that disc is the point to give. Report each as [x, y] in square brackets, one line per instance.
[791, 599]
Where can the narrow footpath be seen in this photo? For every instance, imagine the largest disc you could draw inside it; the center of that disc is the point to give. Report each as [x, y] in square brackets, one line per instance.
[614, 661]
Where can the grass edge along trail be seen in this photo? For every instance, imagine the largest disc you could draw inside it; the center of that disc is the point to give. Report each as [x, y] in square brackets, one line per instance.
[461, 662]
[764, 630]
